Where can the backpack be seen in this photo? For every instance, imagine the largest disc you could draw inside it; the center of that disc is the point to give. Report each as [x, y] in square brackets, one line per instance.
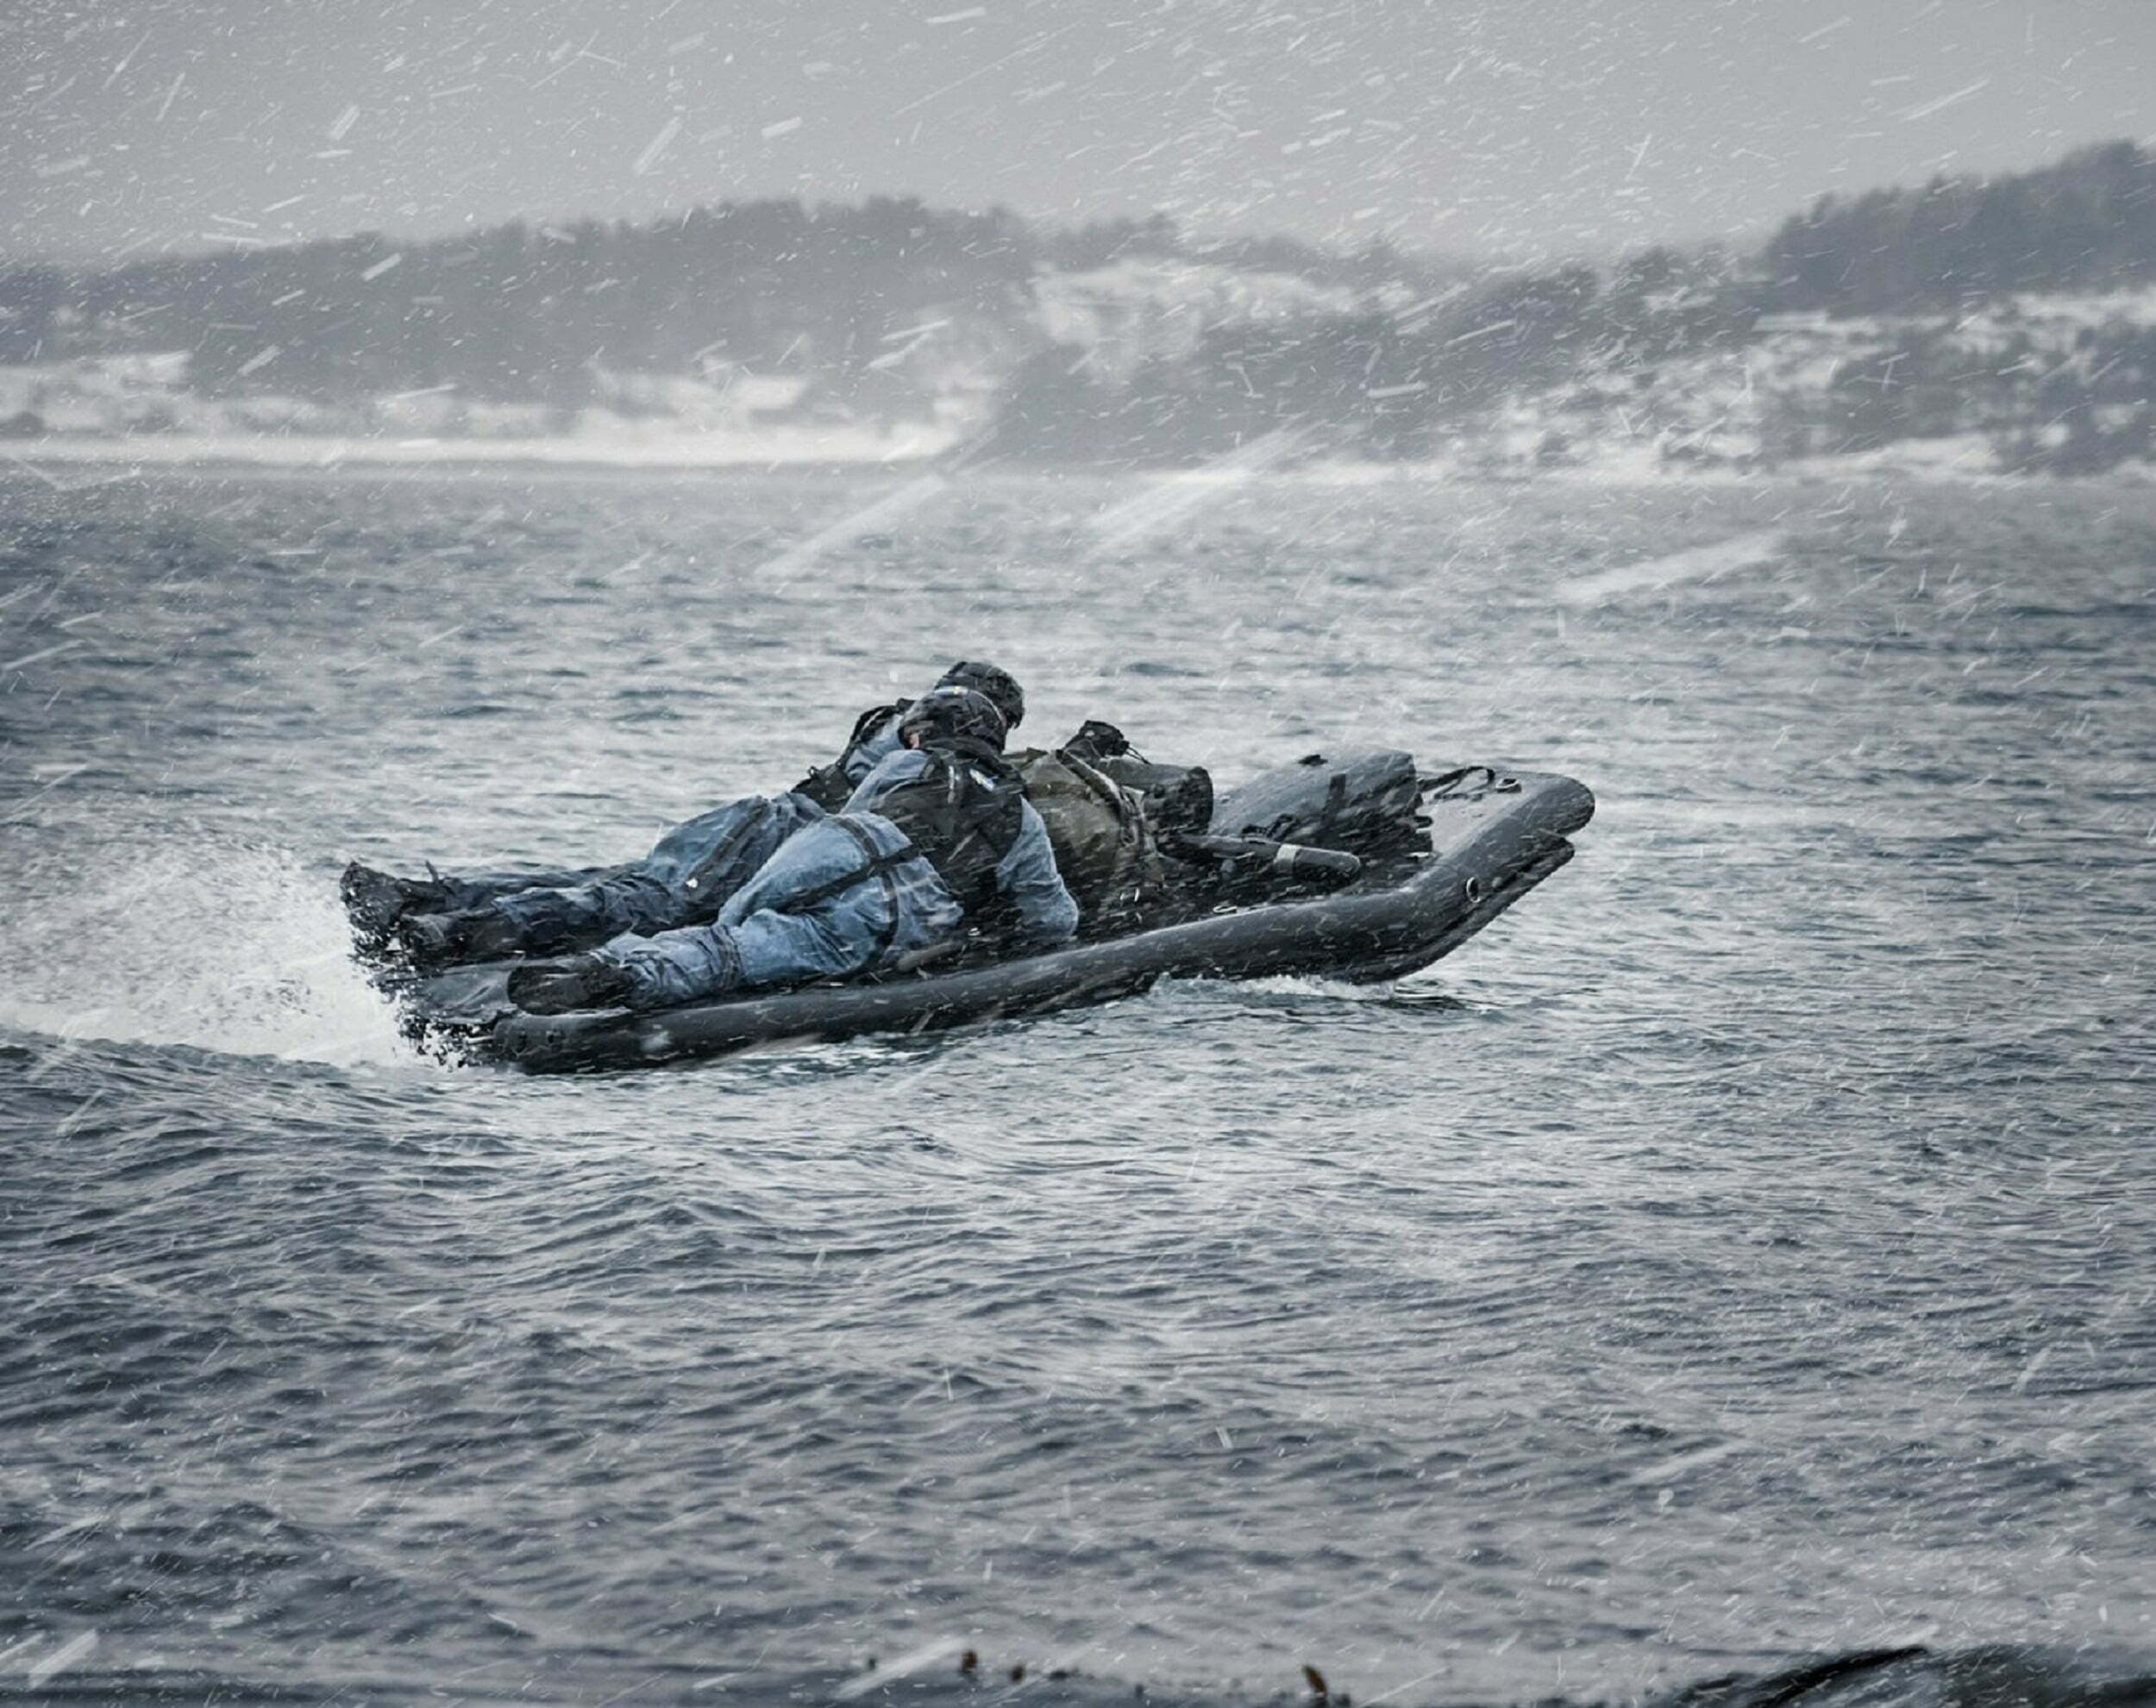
[963, 813]
[1177, 798]
[1105, 851]
[832, 785]
[1363, 801]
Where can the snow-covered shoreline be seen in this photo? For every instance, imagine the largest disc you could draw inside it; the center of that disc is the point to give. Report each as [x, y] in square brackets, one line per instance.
[1926, 460]
[770, 448]
[1970, 394]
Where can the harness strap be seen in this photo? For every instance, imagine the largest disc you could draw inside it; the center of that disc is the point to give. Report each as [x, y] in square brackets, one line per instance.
[878, 866]
[883, 866]
[1335, 800]
[1466, 783]
[872, 719]
[712, 861]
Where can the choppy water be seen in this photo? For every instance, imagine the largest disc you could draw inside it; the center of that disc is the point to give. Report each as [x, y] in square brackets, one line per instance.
[1744, 1252]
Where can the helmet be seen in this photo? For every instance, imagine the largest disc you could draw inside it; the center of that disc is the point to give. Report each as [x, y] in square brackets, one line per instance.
[949, 713]
[1000, 685]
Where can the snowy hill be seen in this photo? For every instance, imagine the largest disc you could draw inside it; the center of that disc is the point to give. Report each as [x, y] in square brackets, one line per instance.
[2024, 382]
[1147, 306]
[2013, 384]
[933, 380]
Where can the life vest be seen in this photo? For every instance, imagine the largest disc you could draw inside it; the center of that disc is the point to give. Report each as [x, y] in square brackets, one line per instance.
[1105, 850]
[962, 814]
[831, 785]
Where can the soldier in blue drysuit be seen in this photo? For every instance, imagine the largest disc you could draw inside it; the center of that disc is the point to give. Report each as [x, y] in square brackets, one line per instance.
[684, 880]
[938, 839]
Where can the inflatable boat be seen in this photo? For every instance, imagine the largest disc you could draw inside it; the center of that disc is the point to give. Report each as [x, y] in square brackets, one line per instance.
[1481, 837]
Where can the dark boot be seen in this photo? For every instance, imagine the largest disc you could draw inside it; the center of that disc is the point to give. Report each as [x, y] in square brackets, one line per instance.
[492, 936]
[569, 985]
[431, 940]
[375, 901]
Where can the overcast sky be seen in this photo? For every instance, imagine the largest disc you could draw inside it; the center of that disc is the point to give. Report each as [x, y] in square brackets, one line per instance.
[1494, 125]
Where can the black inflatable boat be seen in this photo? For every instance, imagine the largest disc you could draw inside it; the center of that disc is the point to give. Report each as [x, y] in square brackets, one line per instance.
[1491, 836]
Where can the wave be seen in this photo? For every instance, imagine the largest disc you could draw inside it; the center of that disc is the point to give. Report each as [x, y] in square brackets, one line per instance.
[136, 936]
[65, 1666]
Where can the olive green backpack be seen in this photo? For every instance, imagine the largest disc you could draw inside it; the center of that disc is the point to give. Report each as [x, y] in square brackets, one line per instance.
[1104, 845]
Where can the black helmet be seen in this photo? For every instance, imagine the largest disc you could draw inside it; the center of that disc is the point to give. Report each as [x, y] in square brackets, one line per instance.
[949, 713]
[1000, 685]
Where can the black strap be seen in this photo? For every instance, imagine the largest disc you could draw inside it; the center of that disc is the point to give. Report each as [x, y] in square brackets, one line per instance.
[1335, 800]
[828, 785]
[1456, 785]
[711, 861]
[871, 720]
[882, 865]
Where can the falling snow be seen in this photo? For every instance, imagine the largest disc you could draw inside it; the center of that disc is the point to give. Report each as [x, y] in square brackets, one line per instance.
[474, 440]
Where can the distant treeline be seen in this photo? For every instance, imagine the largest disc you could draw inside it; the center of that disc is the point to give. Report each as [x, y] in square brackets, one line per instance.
[519, 312]
[2088, 221]
[531, 314]
[1390, 384]
[2076, 411]
[1382, 383]
[523, 313]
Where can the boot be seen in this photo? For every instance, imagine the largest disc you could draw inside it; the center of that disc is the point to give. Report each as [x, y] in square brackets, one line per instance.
[476, 934]
[428, 939]
[375, 901]
[569, 985]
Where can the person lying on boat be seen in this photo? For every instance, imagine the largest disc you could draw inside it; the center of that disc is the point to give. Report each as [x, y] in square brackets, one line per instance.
[1127, 836]
[937, 844]
[685, 879]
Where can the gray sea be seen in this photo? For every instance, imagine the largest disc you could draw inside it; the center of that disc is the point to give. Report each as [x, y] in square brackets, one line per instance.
[1733, 1276]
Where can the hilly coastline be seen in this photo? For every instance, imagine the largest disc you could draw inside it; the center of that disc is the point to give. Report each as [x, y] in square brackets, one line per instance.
[1975, 327]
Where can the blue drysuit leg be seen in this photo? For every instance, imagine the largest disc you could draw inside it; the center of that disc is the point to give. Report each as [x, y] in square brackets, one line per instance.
[687, 877]
[463, 889]
[789, 926]
[623, 899]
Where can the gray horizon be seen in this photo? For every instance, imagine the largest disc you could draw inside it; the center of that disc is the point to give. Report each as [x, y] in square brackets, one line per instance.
[1490, 131]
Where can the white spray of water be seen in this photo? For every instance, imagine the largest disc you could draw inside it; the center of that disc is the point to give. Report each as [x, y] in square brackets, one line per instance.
[191, 940]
